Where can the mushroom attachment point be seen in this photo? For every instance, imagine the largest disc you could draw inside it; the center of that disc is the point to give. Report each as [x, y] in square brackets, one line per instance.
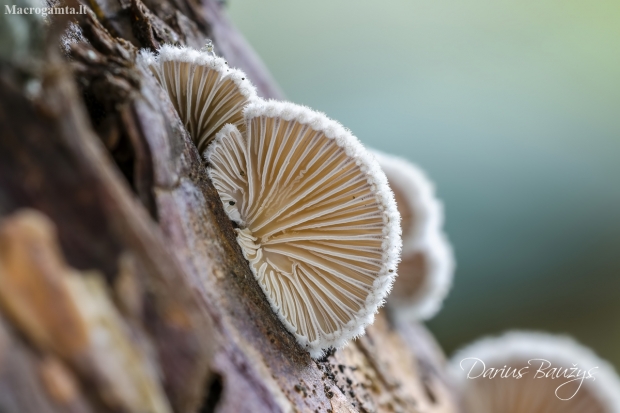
[206, 93]
[525, 372]
[317, 219]
[427, 266]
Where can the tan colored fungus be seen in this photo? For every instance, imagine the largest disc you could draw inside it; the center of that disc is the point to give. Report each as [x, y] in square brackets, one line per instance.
[317, 220]
[206, 93]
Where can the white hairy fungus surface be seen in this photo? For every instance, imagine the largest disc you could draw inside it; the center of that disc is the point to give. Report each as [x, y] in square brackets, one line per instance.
[317, 219]
[206, 93]
[552, 367]
[426, 271]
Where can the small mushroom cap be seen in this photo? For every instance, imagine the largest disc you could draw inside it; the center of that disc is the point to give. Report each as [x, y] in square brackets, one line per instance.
[424, 280]
[206, 93]
[318, 222]
[535, 392]
[427, 267]
[420, 210]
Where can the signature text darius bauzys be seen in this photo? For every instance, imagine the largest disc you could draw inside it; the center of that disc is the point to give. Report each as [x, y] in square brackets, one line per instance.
[536, 369]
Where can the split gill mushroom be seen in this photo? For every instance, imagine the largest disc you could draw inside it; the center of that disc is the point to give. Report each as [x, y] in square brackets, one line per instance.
[204, 90]
[426, 270]
[317, 219]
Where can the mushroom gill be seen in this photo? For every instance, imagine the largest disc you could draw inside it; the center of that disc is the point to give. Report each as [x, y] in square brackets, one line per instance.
[206, 93]
[317, 220]
[558, 375]
[427, 267]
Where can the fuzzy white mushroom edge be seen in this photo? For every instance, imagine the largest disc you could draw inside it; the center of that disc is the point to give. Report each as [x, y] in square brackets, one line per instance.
[419, 192]
[170, 53]
[429, 299]
[424, 236]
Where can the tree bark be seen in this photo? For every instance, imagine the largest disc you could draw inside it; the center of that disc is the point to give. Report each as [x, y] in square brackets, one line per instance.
[122, 287]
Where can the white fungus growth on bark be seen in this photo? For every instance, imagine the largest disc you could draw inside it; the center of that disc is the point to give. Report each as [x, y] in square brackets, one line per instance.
[205, 91]
[427, 267]
[318, 222]
[540, 357]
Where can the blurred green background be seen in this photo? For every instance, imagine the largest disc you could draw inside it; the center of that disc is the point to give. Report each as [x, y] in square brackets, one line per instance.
[513, 108]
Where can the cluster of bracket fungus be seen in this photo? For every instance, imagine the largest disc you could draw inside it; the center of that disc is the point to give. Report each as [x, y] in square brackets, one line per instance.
[321, 221]
[523, 372]
[426, 270]
[316, 218]
[321, 228]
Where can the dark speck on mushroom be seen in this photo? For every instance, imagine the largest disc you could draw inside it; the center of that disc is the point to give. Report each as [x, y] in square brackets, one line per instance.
[231, 202]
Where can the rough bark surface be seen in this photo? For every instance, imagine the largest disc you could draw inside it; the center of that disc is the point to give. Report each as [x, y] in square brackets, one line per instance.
[122, 287]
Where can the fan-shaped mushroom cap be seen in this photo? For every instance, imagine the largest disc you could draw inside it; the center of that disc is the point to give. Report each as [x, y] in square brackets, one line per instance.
[534, 392]
[427, 267]
[206, 93]
[318, 221]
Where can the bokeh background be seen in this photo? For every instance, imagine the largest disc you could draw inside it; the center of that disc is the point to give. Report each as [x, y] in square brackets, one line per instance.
[513, 108]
